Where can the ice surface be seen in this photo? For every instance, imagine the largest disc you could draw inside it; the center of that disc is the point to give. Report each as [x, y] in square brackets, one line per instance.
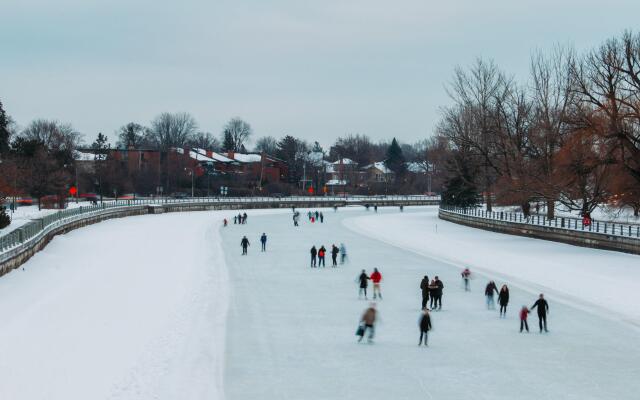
[149, 307]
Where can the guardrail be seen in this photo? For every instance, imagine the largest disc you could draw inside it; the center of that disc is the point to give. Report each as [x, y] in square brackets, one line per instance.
[569, 223]
[37, 227]
[599, 234]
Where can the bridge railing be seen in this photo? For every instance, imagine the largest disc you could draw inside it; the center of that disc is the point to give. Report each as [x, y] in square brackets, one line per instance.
[39, 226]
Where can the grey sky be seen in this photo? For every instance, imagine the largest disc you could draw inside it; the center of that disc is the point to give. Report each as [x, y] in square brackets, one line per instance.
[316, 70]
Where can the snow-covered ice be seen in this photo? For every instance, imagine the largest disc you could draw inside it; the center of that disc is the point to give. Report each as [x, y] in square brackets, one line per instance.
[165, 307]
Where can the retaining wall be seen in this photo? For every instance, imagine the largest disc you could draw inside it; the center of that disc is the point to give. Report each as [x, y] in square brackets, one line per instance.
[577, 238]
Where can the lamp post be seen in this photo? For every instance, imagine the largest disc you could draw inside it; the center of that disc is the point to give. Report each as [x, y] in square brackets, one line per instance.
[192, 179]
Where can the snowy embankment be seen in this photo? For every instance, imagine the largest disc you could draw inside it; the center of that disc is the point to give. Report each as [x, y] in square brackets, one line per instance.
[125, 309]
[601, 281]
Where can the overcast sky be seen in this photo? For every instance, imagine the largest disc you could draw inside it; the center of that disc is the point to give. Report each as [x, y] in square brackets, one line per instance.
[313, 69]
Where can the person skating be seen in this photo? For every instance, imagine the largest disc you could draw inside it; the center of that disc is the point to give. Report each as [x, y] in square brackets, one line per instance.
[376, 278]
[364, 282]
[432, 292]
[488, 292]
[503, 300]
[425, 326]
[321, 218]
[244, 218]
[225, 222]
[367, 323]
[322, 252]
[263, 241]
[466, 274]
[543, 309]
[375, 208]
[334, 254]
[439, 286]
[424, 287]
[245, 244]
[235, 219]
[343, 253]
[524, 313]
[317, 215]
[314, 253]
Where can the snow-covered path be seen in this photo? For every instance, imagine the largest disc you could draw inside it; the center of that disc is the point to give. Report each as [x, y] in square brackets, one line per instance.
[125, 309]
[150, 308]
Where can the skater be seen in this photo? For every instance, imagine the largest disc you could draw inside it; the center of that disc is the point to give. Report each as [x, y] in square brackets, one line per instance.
[244, 218]
[245, 244]
[466, 274]
[424, 287]
[376, 278]
[524, 313]
[317, 215]
[367, 322]
[488, 292]
[375, 208]
[240, 219]
[225, 222]
[401, 208]
[425, 326]
[309, 214]
[439, 286]
[314, 252]
[296, 215]
[343, 253]
[363, 278]
[503, 300]
[543, 310]
[334, 255]
[263, 240]
[321, 253]
[321, 218]
[235, 219]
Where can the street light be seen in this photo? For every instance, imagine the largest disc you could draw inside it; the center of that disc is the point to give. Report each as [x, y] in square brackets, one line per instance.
[192, 179]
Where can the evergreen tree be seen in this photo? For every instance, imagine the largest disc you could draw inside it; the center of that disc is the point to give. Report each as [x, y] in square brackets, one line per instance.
[4, 131]
[228, 144]
[459, 189]
[395, 159]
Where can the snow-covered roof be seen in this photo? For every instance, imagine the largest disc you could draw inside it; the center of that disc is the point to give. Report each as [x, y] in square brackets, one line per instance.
[336, 182]
[344, 161]
[380, 165]
[214, 156]
[247, 158]
[419, 167]
[85, 156]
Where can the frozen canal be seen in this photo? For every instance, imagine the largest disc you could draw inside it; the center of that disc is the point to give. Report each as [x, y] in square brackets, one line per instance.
[165, 307]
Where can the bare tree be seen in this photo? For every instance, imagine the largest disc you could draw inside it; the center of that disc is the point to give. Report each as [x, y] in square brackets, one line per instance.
[172, 130]
[267, 144]
[205, 140]
[236, 134]
[131, 135]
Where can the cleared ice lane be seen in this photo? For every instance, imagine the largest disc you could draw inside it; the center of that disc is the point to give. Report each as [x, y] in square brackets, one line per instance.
[291, 328]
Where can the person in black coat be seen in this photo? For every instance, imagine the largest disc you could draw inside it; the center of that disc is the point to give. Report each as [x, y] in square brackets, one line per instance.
[263, 240]
[425, 326]
[314, 253]
[424, 287]
[334, 254]
[435, 291]
[503, 300]
[363, 278]
[245, 244]
[543, 309]
[488, 292]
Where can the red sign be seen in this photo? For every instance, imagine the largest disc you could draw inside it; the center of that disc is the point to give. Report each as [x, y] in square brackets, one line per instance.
[310, 190]
[73, 190]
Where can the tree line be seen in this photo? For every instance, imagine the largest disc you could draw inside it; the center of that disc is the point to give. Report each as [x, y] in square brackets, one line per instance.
[569, 134]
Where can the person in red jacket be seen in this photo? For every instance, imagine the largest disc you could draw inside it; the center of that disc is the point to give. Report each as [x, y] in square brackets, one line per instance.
[322, 252]
[376, 278]
[524, 313]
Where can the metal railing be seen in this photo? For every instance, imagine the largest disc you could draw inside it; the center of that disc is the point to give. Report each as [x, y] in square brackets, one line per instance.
[570, 223]
[40, 226]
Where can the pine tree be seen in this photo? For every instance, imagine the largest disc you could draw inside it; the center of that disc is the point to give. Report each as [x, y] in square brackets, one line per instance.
[4, 131]
[395, 159]
[228, 144]
[459, 189]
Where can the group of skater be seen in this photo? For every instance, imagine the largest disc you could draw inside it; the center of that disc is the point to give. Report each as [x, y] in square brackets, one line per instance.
[363, 279]
[431, 292]
[244, 243]
[316, 216]
[318, 255]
